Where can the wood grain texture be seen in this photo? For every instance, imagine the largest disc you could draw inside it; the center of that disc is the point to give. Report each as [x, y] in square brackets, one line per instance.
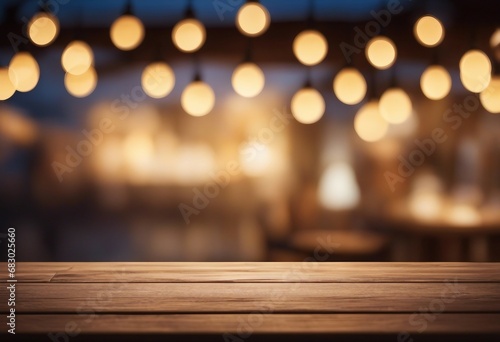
[276, 323]
[254, 272]
[241, 297]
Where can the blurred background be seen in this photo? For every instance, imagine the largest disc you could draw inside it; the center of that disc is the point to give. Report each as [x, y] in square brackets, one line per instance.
[292, 130]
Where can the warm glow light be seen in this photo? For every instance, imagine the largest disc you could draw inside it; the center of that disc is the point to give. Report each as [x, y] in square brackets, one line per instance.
[395, 106]
[248, 80]
[17, 127]
[435, 82]
[43, 29]
[139, 152]
[24, 72]
[189, 35]
[198, 99]
[349, 86]
[426, 205]
[158, 80]
[255, 159]
[463, 215]
[490, 97]
[495, 39]
[253, 19]
[338, 188]
[381, 52]
[429, 31]
[81, 85]
[7, 89]
[475, 70]
[77, 57]
[369, 123]
[310, 47]
[308, 106]
[127, 32]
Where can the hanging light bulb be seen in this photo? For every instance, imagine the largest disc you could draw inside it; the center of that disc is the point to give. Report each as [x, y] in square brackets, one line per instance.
[349, 86]
[7, 89]
[158, 80]
[475, 70]
[381, 52]
[43, 29]
[198, 99]
[490, 97]
[81, 85]
[369, 123]
[248, 80]
[253, 19]
[308, 106]
[189, 35]
[310, 47]
[395, 106]
[127, 32]
[77, 57]
[24, 72]
[435, 82]
[429, 31]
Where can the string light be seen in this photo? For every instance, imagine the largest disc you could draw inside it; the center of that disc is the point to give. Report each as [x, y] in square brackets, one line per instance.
[81, 85]
[158, 80]
[369, 123]
[189, 35]
[310, 47]
[24, 72]
[198, 99]
[429, 31]
[435, 82]
[490, 97]
[43, 29]
[127, 32]
[308, 106]
[77, 57]
[7, 89]
[248, 80]
[381, 52]
[395, 106]
[253, 19]
[475, 70]
[349, 86]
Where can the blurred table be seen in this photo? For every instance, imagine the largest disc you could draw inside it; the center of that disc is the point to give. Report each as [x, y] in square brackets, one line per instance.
[94, 300]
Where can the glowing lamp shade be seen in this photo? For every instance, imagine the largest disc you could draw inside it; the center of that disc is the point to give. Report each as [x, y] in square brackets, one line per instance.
[189, 35]
[24, 72]
[349, 86]
[77, 57]
[43, 29]
[248, 80]
[127, 32]
[253, 19]
[369, 123]
[310, 47]
[158, 80]
[475, 70]
[429, 31]
[395, 106]
[381, 52]
[198, 99]
[435, 82]
[7, 89]
[81, 85]
[308, 106]
[338, 189]
[490, 97]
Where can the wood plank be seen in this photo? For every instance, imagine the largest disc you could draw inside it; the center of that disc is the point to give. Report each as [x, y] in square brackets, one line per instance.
[277, 323]
[247, 297]
[251, 272]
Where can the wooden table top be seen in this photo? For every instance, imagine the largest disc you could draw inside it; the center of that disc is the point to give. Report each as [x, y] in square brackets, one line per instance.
[283, 297]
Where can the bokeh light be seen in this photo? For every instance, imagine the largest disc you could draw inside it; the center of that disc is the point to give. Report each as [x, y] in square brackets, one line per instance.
[43, 29]
[435, 82]
[308, 106]
[310, 47]
[381, 52]
[369, 123]
[7, 89]
[248, 80]
[395, 106]
[158, 80]
[189, 35]
[429, 31]
[127, 32]
[81, 85]
[198, 99]
[349, 86]
[253, 19]
[475, 70]
[24, 71]
[77, 57]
